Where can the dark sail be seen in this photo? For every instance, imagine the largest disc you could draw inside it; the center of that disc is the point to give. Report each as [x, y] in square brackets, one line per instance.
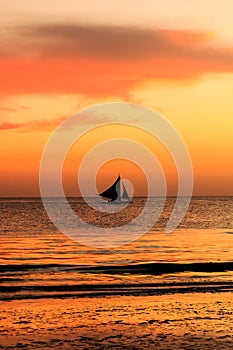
[112, 192]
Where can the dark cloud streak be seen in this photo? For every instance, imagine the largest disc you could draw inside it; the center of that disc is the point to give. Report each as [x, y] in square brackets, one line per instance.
[101, 42]
[116, 43]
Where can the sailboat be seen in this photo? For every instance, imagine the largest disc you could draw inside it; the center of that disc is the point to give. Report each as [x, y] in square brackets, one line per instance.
[116, 192]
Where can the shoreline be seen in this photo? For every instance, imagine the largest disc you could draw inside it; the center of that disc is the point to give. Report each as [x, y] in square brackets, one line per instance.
[198, 321]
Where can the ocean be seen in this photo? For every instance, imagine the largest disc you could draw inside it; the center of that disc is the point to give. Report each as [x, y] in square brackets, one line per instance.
[37, 261]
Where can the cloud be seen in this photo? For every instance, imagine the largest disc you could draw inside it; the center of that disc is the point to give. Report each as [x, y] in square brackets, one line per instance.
[105, 61]
[89, 118]
[8, 126]
[50, 124]
[34, 125]
[114, 43]
[25, 108]
[117, 43]
[6, 109]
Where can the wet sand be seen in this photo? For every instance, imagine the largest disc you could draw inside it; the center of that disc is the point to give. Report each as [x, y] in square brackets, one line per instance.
[177, 321]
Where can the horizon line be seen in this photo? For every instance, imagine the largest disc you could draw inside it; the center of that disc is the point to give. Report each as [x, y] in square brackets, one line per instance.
[139, 196]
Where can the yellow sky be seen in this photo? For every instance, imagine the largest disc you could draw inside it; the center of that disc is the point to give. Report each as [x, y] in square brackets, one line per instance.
[59, 57]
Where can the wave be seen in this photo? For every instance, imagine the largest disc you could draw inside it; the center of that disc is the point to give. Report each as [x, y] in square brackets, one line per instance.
[12, 289]
[146, 268]
[103, 290]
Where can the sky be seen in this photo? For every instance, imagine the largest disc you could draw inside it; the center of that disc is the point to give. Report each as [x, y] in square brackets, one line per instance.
[59, 57]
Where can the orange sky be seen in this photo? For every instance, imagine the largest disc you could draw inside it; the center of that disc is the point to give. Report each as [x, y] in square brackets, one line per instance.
[174, 58]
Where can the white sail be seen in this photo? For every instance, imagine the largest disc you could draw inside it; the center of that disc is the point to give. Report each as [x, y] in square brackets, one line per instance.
[125, 193]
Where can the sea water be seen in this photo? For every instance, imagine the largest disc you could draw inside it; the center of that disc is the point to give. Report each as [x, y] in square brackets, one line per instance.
[36, 259]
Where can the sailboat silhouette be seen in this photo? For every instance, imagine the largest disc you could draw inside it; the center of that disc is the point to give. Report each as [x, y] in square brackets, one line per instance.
[116, 192]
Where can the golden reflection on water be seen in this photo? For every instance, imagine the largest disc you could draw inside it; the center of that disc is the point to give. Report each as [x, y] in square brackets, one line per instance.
[180, 246]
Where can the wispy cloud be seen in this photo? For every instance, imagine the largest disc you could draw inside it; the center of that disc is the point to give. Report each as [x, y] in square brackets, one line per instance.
[50, 124]
[33, 125]
[25, 108]
[8, 126]
[7, 109]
